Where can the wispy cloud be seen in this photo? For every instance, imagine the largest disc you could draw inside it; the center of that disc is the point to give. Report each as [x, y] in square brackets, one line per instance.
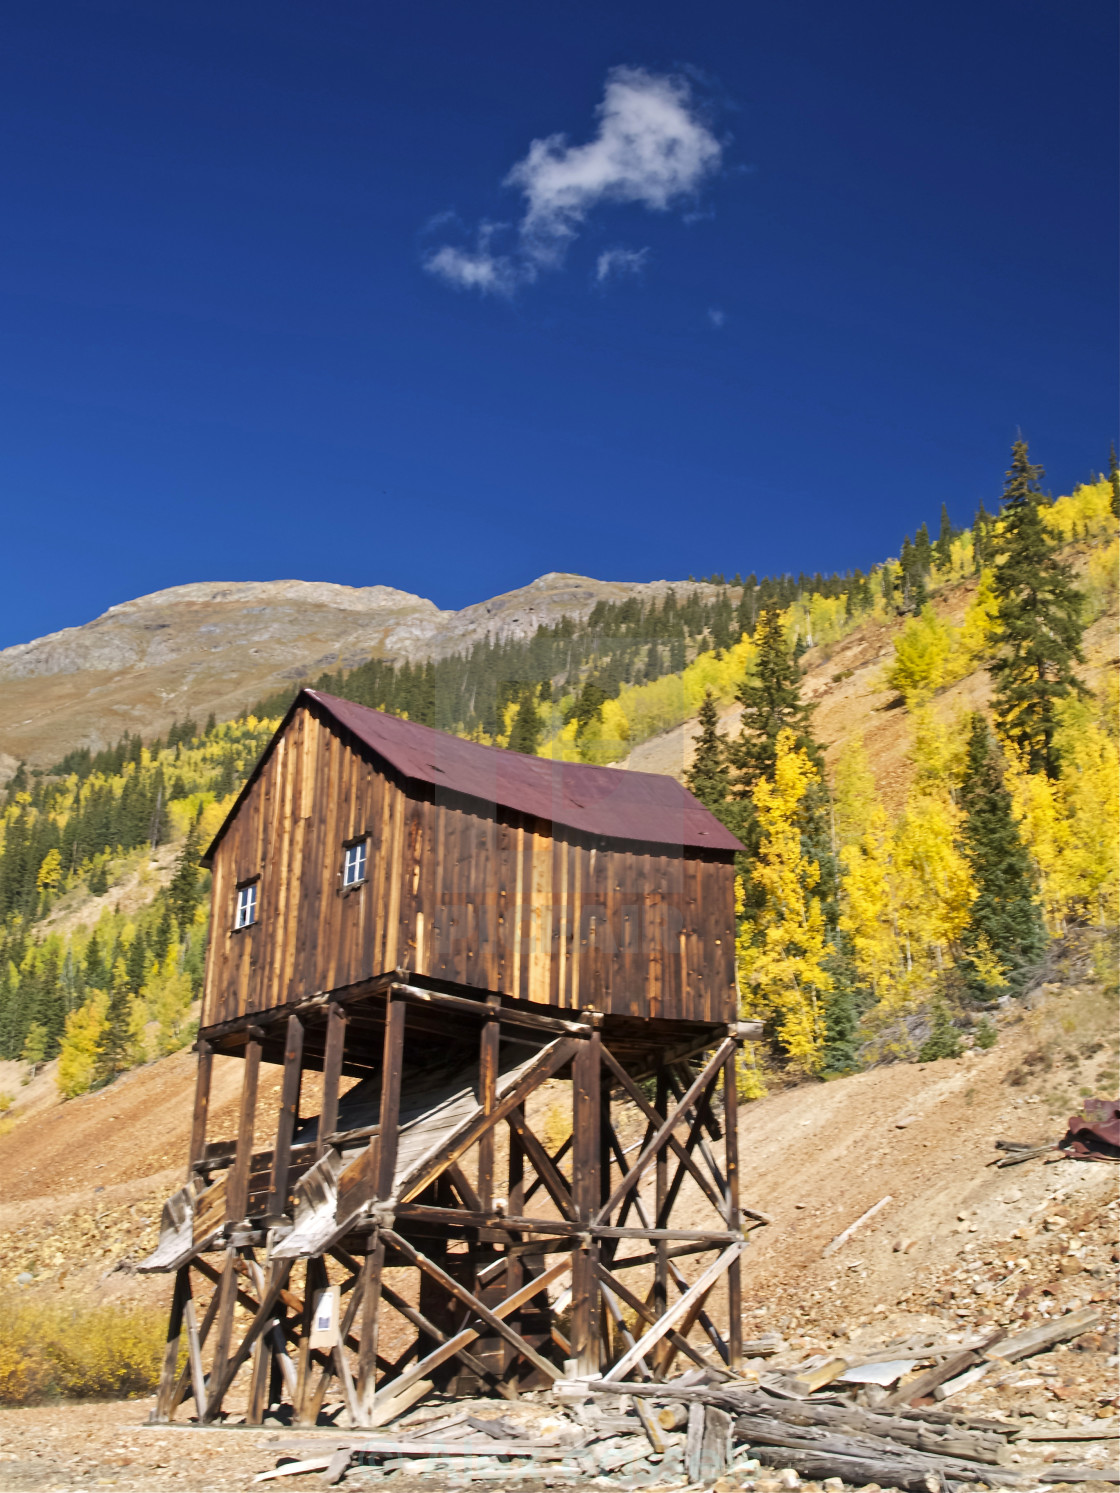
[615, 262]
[652, 148]
[717, 315]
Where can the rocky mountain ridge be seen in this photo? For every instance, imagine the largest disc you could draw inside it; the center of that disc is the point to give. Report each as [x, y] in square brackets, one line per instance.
[217, 646]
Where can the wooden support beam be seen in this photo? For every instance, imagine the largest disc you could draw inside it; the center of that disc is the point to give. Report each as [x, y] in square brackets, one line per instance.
[468, 1335]
[650, 1316]
[561, 1152]
[656, 1116]
[660, 1293]
[487, 1097]
[237, 1190]
[510, 1016]
[221, 1377]
[587, 1196]
[554, 1183]
[192, 1376]
[424, 1325]
[707, 1122]
[734, 1218]
[369, 1291]
[551, 1058]
[392, 1066]
[700, 1083]
[276, 1209]
[315, 1280]
[667, 1321]
[449, 1283]
[332, 1073]
[169, 1370]
[201, 1103]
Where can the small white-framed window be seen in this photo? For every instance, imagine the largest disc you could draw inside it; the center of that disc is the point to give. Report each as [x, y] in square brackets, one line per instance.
[354, 863]
[246, 913]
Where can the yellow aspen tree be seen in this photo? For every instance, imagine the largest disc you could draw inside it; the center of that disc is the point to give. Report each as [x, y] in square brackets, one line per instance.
[935, 885]
[854, 800]
[50, 871]
[869, 917]
[80, 1046]
[783, 959]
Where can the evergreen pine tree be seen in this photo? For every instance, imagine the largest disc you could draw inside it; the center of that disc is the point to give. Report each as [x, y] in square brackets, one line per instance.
[923, 550]
[709, 777]
[981, 538]
[182, 891]
[1037, 635]
[95, 976]
[114, 1050]
[525, 731]
[1114, 478]
[771, 702]
[943, 548]
[1004, 921]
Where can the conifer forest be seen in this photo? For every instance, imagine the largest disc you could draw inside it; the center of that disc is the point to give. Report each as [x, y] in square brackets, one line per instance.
[868, 930]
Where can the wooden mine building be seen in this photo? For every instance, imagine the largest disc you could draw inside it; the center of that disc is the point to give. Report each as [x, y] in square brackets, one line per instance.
[435, 930]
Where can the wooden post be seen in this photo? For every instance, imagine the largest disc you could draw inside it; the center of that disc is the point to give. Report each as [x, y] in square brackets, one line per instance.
[392, 1063]
[384, 1161]
[587, 1185]
[237, 1195]
[487, 1094]
[332, 1073]
[515, 1264]
[201, 1104]
[661, 1196]
[315, 1279]
[369, 1285]
[734, 1217]
[276, 1210]
[169, 1374]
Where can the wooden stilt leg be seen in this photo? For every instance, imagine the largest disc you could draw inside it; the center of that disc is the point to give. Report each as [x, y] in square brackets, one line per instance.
[277, 1207]
[488, 1088]
[237, 1192]
[734, 1218]
[370, 1287]
[332, 1072]
[314, 1282]
[515, 1266]
[660, 1299]
[586, 1183]
[201, 1104]
[261, 1380]
[169, 1373]
[227, 1300]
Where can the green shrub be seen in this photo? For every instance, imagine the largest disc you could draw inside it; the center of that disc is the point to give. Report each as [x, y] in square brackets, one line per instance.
[944, 1041]
[51, 1351]
[984, 1034]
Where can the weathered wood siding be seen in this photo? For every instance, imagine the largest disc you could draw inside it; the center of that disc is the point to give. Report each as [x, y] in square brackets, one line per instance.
[457, 890]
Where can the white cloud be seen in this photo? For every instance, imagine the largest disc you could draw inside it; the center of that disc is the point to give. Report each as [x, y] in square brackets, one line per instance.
[717, 315]
[651, 149]
[613, 262]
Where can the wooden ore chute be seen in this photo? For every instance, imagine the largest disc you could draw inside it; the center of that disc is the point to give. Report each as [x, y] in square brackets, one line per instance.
[424, 933]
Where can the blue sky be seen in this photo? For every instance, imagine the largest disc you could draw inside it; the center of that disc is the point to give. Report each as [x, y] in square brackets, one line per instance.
[801, 281]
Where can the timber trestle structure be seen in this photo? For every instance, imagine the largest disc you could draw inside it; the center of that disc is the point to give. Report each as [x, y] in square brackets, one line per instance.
[420, 1232]
[473, 967]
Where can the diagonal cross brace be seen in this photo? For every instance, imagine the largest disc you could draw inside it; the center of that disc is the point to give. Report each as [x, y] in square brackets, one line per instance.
[654, 1119]
[492, 1320]
[552, 1057]
[708, 1075]
[665, 1323]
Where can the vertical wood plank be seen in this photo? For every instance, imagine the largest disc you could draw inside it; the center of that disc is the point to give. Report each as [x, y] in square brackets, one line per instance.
[169, 1372]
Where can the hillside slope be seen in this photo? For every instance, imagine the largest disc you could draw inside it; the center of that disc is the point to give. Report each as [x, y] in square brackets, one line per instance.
[218, 646]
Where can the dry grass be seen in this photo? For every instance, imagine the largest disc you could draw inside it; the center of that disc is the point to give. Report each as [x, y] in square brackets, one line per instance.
[50, 1351]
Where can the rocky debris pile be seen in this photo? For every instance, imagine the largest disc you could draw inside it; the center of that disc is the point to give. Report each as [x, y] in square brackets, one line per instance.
[110, 1235]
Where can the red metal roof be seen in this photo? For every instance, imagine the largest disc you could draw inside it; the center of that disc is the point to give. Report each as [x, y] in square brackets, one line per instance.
[595, 800]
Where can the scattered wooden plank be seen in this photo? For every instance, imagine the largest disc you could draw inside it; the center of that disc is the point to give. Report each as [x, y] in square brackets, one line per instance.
[846, 1234]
